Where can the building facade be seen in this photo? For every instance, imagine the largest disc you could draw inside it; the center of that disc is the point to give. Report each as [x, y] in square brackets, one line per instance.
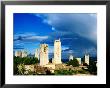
[24, 54]
[18, 53]
[37, 54]
[86, 59]
[70, 57]
[79, 60]
[21, 53]
[57, 52]
[44, 59]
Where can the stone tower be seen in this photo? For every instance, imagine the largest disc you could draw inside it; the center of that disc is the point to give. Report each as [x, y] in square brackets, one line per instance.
[37, 54]
[24, 53]
[57, 52]
[18, 53]
[70, 57]
[86, 59]
[79, 60]
[44, 54]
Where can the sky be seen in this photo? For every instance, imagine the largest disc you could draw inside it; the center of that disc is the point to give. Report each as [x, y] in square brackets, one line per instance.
[77, 32]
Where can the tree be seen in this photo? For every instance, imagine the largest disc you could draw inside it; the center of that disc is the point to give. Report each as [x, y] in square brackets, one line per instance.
[17, 60]
[21, 69]
[63, 72]
[15, 69]
[73, 62]
[25, 61]
[92, 67]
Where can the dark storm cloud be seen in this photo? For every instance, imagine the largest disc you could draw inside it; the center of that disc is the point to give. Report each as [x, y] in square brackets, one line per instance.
[76, 31]
[82, 24]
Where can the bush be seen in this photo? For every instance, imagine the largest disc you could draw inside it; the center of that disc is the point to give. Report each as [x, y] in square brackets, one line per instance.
[25, 60]
[92, 67]
[82, 71]
[15, 69]
[73, 62]
[63, 72]
[21, 69]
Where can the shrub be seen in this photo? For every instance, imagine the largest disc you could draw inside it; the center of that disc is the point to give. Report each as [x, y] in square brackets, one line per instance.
[73, 62]
[21, 69]
[92, 67]
[63, 72]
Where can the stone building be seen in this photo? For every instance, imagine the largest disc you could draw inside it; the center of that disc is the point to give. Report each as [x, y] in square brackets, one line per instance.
[57, 52]
[37, 54]
[18, 53]
[51, 67]
[86, 59]
[79, 60]
[21, 53]
[28, 68]
[24, 54]
[44, 59]
[70, 57]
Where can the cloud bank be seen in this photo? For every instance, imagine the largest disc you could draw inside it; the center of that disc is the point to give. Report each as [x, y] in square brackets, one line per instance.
[82, 24]
[78, 31]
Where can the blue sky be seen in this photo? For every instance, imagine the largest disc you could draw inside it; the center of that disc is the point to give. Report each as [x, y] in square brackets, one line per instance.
[77, 32]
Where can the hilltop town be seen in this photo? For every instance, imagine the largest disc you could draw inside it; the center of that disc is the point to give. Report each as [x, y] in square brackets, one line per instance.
[43, 66]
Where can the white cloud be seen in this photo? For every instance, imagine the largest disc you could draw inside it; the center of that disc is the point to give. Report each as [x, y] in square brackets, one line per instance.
[24, 34]
[29, 37]
[64, 48]
[40, 38]
[53, 28]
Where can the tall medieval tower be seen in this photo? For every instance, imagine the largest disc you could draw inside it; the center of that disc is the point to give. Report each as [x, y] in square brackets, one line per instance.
[44, 59]
[86, 59]
[18, 53]
[37, 54]
[24, 53]
[70, 57]
[57, 52]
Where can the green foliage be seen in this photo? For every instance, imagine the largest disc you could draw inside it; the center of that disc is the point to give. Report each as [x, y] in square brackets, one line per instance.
[70, 72]
[21, 69]
[92, 67]
[15, 69]
[82, 71]
[30, 73]
[25, 60]
[73, 62]
[63, 72]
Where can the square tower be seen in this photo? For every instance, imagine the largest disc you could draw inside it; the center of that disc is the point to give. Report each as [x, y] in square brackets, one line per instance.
[18, 53]
[86, 59]
[43, 54]
[37, 54]
[57, 52]
[70, 57]
[79, 60]
[24, 54]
